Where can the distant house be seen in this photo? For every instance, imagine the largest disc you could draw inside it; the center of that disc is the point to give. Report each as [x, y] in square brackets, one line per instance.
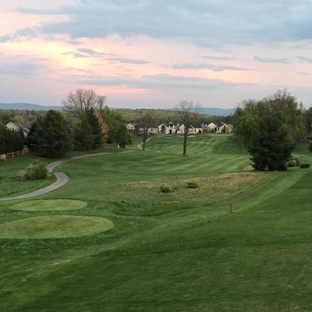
[16, 126]
[212, 127]
[197, 129]
[225, 128]
[131, 127]
[151, 131]
[169, 128]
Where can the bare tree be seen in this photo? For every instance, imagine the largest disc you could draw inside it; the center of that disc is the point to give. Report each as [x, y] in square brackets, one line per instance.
[188, 113]
[82, 101]
[145, 123]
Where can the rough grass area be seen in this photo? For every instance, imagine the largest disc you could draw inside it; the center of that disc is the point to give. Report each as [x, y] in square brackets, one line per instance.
[134, 197]
[49, 205]
[54, 227]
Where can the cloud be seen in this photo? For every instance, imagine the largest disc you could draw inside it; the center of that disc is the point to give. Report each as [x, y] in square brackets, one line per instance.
[78, 55]
[87, 51]
[304, 59]
[271, 60]
[5, 38]
[129, 61]
[25, 32]
[205, 23]
[20, 65]
[20, 68]
[217, 68]
[165, 82]
[218, 58]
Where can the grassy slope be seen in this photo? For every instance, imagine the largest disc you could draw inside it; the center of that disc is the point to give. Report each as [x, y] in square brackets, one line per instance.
[181, 251]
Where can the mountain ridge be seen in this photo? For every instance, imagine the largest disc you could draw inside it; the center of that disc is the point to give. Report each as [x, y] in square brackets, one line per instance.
[214, 111]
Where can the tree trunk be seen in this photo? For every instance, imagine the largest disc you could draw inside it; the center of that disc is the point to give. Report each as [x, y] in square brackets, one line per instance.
[184, 142]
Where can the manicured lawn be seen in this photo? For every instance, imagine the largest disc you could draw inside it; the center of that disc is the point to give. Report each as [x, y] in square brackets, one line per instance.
[241, 241]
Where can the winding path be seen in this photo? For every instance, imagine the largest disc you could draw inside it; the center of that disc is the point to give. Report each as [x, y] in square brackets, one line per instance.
[61, 178]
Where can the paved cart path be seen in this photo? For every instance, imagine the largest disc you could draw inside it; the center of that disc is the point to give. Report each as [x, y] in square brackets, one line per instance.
[61, 178]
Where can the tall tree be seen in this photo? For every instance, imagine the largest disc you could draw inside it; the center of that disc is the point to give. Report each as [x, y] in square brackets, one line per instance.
[246, 126]
[283, 101]
[104, 126]
[117, 130]
[188, 113]
[96, 130]
[11, 141]
[271, 146]
[51, 135]
[82, 134]
[81, 101]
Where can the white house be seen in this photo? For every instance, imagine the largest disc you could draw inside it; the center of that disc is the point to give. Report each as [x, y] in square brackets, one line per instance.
[16, 126]
[225, 128]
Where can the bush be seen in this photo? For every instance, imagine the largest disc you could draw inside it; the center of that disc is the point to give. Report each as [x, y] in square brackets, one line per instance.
[35, 171]
[165, 189]
[303, 166]
[192, 185]
[293, 162]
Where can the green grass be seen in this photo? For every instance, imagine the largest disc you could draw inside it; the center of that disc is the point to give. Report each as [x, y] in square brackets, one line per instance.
[241, 241]
[49, 205]
[54, 227]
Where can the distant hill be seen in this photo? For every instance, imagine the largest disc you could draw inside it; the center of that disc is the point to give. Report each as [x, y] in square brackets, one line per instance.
[217, 111]
[213, 111]
[27, 106]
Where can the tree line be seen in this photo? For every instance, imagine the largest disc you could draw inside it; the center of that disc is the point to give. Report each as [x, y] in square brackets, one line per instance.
[84, 125]
[269, 128]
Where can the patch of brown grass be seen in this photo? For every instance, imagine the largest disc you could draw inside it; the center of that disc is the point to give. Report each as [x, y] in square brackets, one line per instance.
[216, 187]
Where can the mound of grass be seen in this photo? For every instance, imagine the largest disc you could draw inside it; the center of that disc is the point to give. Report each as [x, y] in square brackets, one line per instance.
[166, 189]
[54, 227]
[49, 205]
[192, 185]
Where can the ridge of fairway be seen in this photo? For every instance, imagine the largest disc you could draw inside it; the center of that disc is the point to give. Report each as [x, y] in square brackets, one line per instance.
[61, 178]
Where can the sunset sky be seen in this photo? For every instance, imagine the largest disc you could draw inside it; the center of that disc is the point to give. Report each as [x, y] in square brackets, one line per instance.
[153, 54]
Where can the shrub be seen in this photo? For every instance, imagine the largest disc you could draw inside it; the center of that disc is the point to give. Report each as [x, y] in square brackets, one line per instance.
[192, 185]
[303, 166]
[35, 171]
[293, 162]
[166, 189]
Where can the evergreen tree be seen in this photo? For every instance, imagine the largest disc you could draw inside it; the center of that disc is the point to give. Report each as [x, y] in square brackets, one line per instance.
[96, 130]
[2, 139]
[52, 135]
[271, 145]
[10, 141]
[82, 134]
